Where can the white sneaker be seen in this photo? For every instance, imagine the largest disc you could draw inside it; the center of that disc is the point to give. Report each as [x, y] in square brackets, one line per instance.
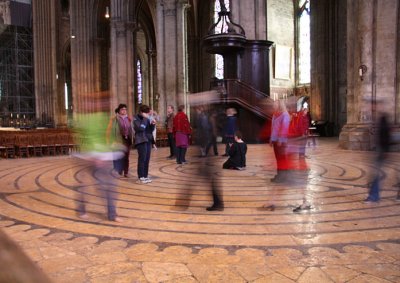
[149, 180]
[143, 180]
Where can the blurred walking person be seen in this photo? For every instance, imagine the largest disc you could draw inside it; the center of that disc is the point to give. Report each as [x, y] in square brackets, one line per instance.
[202, 130]
[213, 133]
[279, 138]
[97, 153]
[382, 148]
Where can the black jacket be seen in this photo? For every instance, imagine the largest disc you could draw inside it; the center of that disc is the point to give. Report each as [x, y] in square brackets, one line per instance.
[237, 154]
[143, 129]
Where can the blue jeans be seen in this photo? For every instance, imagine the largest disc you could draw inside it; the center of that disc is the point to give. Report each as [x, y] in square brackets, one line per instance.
[144, 152]
[375, 186]
[374, 190]
[108, 190]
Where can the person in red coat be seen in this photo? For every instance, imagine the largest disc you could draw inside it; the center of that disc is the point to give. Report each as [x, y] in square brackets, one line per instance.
[182, 130]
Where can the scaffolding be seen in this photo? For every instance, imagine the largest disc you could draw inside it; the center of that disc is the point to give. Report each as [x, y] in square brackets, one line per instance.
[17, 97]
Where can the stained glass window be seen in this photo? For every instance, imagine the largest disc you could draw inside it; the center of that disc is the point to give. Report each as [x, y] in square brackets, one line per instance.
[139, 82]
[304, 42]
[219, 60]
[217, 9]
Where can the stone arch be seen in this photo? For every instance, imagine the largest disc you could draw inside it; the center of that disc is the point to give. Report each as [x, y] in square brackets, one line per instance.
[140, 24]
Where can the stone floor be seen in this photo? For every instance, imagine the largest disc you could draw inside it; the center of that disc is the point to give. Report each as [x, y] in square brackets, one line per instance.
[340, 239]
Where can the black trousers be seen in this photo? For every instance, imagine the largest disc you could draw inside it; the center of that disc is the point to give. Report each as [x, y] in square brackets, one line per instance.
[180, 154]
[171, 143]
[213, 143]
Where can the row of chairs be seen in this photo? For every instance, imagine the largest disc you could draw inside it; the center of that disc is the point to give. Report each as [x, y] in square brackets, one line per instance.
[36, 144]
[48, 143]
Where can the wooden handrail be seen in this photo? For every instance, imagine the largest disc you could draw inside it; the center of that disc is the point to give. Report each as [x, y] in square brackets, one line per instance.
[248, 97]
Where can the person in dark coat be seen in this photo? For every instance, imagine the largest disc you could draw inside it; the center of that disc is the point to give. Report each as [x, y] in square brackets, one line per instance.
[203, 133]
[143, 142]
[237, 154]
[213, 133]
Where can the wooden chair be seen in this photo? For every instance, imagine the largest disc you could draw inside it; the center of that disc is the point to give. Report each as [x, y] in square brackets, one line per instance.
[49, 142]
[9, 144]
[162, 138]
[23, 146]
[62, 145]
[35, 140]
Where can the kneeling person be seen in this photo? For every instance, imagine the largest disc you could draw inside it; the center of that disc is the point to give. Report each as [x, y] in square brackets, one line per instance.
[237, 154]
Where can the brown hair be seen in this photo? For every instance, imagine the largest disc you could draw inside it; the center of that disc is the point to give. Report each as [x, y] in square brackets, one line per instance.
[144, 108]
[238, 134]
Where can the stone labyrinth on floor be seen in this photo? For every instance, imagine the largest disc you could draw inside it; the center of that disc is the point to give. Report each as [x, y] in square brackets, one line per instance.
[43, 192]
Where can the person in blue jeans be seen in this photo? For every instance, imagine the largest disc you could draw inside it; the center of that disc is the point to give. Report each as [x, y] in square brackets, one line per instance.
[143, 142]
[382, 147]
[96, 155]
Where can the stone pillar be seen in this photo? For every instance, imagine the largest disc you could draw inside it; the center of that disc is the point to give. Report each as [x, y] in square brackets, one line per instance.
[45, 48]
[171, 52]
[372, 29]
[83, 54]
[182, 51]
[163, 101]
[121, 86]
[151, 58]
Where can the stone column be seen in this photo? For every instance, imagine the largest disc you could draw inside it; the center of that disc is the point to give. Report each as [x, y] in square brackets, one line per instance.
[121, 86]
[45, 48]
[172, 53]
[371, 43]
[83, 54]
[182, 52]
[397, 103]
[151, 58]
[163, 101]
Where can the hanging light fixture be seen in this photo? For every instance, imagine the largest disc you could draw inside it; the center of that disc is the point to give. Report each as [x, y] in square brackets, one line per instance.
[107, 14]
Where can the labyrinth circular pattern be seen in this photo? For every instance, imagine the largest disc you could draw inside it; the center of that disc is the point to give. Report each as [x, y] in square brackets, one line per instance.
[171, 209]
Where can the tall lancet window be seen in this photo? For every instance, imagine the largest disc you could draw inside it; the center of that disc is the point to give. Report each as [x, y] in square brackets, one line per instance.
[139, 82]
[304, 49]
[219, 60]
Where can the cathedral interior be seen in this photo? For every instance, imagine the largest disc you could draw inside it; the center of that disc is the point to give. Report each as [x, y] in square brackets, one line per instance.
[340, 58]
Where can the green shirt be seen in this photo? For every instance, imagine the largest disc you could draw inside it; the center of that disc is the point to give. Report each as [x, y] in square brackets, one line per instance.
[91, 131]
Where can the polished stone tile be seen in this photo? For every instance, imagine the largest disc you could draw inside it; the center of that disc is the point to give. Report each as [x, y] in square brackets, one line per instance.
[340, 239]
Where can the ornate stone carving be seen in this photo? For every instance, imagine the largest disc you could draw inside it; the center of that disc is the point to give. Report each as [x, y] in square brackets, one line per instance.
[169, 12]
[132, 26]
[169, 7]
[119, 27]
